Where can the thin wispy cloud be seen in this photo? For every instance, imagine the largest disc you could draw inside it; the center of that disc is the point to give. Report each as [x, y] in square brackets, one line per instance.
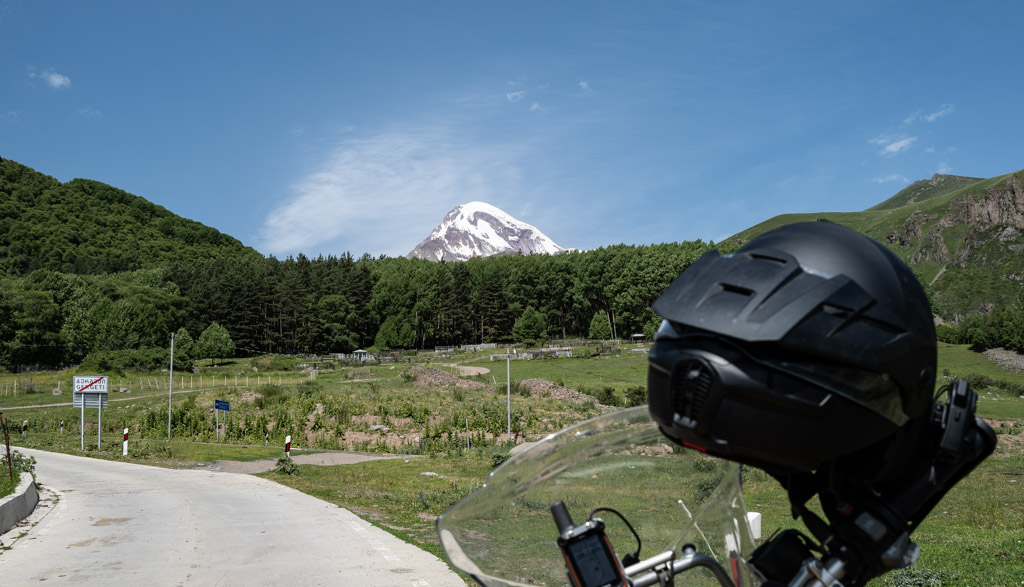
[892, 145]
[515, 96]
[536, 107]
[11, 117]
[52, 78]
[585, 86]
[899, 145]
[944, 110]
[944, 168]
[894, 177]
[88, 112]
[383, 194]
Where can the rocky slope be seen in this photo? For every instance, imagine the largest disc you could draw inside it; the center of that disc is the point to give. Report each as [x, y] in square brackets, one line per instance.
[963, 237]
[478, 229]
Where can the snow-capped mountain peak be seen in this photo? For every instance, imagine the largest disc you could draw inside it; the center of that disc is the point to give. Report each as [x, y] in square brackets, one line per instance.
[478, 229]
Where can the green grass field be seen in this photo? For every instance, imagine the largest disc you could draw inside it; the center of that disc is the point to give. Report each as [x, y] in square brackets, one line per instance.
[973, 537]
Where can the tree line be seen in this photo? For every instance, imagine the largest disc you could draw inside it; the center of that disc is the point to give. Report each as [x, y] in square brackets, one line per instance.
[1003, 327]
[88, 270]
[335, 304]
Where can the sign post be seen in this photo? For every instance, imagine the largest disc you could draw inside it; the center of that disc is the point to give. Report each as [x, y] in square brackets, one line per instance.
[288, 446]
[219, 405]
[91, 392]
[124, 449]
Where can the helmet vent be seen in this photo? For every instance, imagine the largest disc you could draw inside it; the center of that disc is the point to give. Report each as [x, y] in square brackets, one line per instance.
[691, 384]
[767, 259]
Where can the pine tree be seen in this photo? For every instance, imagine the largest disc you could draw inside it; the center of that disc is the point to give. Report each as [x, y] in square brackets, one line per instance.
[600, 328]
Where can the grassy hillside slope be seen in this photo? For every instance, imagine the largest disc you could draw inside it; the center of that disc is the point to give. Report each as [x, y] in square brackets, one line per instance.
[85, 227]
[960, 235]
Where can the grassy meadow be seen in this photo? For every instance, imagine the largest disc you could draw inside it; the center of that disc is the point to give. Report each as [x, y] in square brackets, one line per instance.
[974, 536]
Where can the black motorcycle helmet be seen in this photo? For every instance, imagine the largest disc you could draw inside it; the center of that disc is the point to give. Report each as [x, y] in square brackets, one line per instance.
[810, 344]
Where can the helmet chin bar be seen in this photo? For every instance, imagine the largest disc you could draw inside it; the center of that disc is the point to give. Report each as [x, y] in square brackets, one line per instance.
[869, 526]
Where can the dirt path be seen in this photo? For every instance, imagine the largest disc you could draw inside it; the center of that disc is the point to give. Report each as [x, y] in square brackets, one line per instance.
[112, 399]
[320, 458]
[467, 369]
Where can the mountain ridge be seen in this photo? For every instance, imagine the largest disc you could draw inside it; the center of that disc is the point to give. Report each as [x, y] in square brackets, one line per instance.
[962, 236]
[964, 240]
[85, 226]
[926, 189]
[478, 229]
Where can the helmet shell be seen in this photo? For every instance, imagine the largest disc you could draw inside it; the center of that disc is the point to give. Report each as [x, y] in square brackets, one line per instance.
[808, 343]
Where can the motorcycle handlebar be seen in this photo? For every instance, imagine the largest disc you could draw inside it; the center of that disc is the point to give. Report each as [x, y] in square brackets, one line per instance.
[691, 559]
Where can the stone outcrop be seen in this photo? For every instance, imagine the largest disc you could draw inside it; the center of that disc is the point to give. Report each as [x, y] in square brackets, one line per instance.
[931, 246]
[1001, 204]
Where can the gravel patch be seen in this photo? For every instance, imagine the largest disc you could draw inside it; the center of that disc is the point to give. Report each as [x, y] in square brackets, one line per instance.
[434, 378]
[1006, 359]
[543, 388]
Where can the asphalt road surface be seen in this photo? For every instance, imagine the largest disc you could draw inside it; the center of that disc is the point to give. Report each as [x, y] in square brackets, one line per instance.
[123, 524]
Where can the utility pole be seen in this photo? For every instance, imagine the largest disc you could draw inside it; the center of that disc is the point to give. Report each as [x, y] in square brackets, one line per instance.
[170, 389]
[508, 373]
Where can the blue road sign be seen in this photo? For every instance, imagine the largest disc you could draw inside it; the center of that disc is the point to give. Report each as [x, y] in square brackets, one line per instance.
[221, 405]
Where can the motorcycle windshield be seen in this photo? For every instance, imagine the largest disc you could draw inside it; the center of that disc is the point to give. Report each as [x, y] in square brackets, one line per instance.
[504, 534]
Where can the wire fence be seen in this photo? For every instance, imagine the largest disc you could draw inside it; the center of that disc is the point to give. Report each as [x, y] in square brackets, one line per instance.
[58, 385]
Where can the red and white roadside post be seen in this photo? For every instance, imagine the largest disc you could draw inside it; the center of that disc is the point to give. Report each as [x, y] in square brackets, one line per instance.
[288, 446]
[124, 448]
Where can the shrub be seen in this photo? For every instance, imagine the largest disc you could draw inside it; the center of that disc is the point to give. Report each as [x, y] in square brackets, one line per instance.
[286, 466]
[498, 458]
[705, 486]
[268, 395]
[19, 462]
[636, 395]
[982, 382]
[705, 465]
[307, 389]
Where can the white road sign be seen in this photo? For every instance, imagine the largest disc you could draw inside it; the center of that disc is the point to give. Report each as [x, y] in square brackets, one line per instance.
[90, 384]
[90, 391]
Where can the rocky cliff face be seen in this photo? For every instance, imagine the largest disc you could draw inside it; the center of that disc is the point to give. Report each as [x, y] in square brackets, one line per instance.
[1000, 205]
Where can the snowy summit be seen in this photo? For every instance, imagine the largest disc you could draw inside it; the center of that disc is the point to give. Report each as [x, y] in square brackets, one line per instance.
[478, 229]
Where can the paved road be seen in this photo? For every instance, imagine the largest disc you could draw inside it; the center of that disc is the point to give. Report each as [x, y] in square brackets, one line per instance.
[124, 524]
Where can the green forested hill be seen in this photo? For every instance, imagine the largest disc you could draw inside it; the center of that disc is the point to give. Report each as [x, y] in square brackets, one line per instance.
[87, 269]
[962, 236]
[88, 227]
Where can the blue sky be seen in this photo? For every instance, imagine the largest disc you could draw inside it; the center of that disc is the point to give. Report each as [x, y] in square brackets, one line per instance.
[325, 127]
